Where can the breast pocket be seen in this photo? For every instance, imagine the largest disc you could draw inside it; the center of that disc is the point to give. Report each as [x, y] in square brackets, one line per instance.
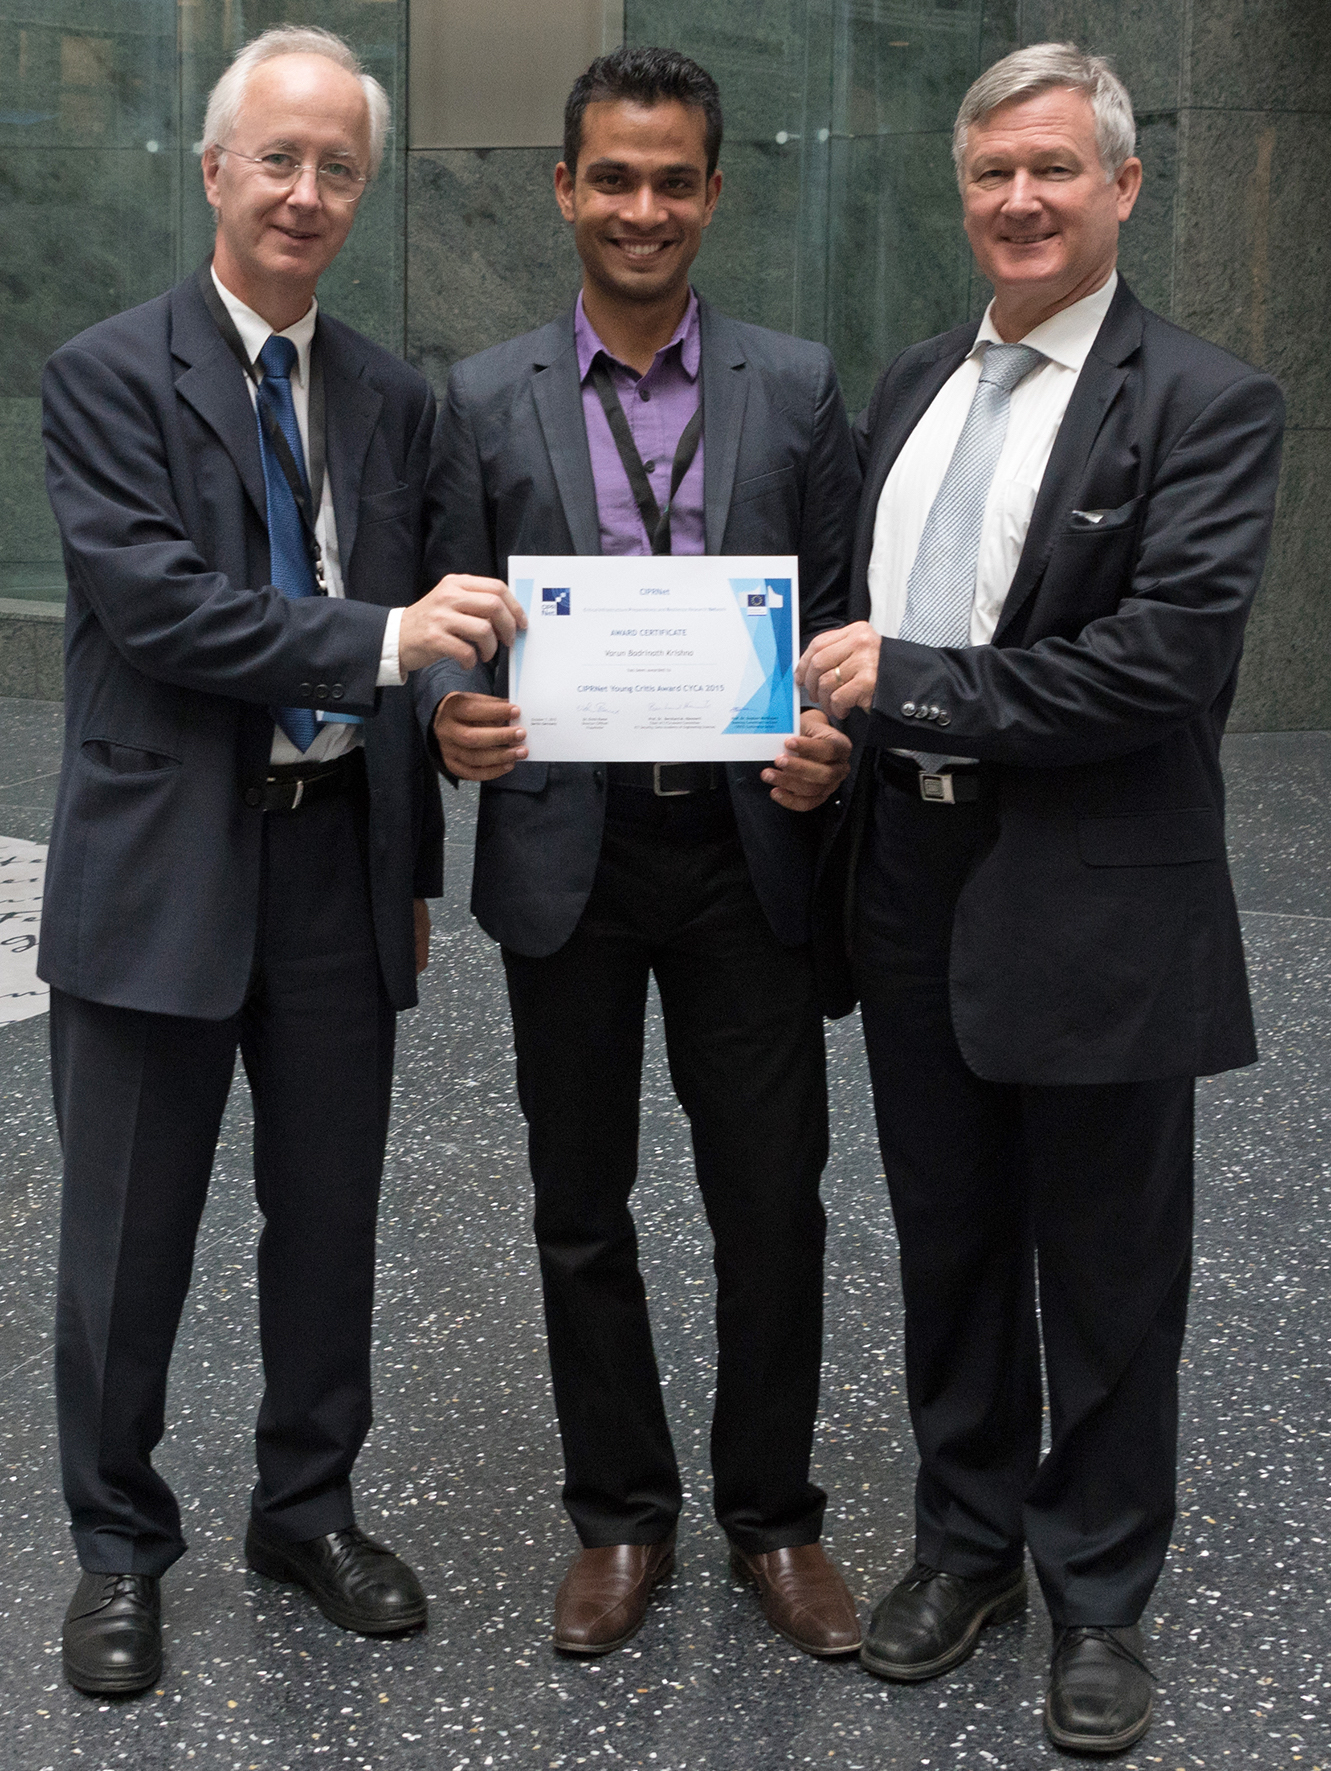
[781, 479]
[382, 507]
[1105, 522]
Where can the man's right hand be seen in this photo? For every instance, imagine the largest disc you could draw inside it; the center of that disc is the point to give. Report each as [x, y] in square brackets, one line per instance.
[463, 618]
[479, 737]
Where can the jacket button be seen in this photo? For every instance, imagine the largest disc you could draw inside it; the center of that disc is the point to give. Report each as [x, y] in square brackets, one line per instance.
[932, 712]
[253, 797]
[921, 712]
[944, 717]
[307, 688]
[908, 708]
[321, 693]
[338, 691]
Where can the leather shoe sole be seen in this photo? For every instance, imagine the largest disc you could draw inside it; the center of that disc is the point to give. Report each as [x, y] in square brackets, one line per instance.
[276, 1560]
[104, 1616]
[606, 1580]
[1001, 1608]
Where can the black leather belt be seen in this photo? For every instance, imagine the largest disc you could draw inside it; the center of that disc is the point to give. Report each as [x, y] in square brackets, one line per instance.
[947, 787]
[291, 785]
[668, 780]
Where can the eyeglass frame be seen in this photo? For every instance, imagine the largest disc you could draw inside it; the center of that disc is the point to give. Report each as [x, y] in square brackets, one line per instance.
[301, 167]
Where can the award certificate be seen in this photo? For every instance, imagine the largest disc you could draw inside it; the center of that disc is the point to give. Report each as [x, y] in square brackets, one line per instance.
[657, 658]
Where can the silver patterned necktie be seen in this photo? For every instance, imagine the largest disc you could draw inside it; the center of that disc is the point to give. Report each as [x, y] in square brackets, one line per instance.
[941, 586]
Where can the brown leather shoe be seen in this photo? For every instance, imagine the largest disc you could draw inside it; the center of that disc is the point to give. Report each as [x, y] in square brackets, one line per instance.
[604, 1595]
[803, 1597]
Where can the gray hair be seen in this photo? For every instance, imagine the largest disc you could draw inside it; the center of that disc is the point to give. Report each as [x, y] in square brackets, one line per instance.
[224, 100]
[1040, 68]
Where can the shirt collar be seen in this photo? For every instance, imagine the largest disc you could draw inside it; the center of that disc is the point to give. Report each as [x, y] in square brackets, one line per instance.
[687, 335]
[1065, 337]
[255, 331]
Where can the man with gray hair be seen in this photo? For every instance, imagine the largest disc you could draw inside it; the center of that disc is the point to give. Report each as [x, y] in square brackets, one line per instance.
[1065, 515]
[244, 819]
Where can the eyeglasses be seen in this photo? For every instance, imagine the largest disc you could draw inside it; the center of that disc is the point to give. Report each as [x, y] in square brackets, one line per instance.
[337, 182]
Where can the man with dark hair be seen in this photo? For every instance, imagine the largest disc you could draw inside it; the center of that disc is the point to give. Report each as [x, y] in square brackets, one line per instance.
[1065, 515]
[645, 77]
[594, 877]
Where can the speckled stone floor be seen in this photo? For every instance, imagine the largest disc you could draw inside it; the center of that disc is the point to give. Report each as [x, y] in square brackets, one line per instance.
[462, 1468]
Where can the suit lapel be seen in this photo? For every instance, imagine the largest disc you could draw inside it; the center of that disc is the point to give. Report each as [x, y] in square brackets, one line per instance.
[352, 409]
[213, 383]
[904, 415]
[557, 392]
[725, 394]
[1102, 375]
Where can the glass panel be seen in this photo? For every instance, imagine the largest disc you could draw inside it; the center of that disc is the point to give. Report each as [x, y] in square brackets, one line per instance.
[88, 164]
[497, 75]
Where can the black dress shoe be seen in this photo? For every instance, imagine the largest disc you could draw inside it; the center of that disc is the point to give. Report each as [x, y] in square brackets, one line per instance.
[355, 1582]
[930, 1621]
[112, 1637]
[1100, 1690]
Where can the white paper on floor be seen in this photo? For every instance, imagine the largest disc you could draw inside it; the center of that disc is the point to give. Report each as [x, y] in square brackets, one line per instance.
[22, 874]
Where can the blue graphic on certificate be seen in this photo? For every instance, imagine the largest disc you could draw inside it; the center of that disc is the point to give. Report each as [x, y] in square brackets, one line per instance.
[661, 658]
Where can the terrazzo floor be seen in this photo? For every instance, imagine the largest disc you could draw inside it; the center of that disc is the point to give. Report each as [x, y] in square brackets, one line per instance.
[462, 1468]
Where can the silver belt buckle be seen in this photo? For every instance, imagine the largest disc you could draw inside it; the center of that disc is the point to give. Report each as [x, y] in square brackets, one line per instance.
[667, 792]
[937, 788]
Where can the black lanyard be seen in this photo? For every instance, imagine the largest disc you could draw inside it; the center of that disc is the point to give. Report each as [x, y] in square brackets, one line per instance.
[309, 496]
[655, 520]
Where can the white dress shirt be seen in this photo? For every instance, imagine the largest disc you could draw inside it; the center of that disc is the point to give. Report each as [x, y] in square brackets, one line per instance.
[1038, 404]
[332, 739]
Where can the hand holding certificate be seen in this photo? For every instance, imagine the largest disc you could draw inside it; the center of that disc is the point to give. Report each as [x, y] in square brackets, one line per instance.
[659, 658]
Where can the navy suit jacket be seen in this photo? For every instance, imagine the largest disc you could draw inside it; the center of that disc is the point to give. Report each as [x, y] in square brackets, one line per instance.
[176, 647]
[1097, 940]
[780, 477]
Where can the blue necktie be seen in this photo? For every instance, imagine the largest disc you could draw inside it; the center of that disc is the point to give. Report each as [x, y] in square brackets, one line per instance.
[290, 568]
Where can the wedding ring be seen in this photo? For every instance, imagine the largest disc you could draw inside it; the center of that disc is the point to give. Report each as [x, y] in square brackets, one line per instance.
[837, 674]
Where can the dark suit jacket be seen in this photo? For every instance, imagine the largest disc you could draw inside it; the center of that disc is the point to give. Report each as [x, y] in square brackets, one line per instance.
[175, 648]
[1097, 940]
[779, 476]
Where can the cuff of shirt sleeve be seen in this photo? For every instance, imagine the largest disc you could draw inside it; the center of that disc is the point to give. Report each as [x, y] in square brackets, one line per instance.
[391, 674]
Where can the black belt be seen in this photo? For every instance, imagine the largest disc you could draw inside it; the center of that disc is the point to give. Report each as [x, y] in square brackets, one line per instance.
[946, 787]
[668, 780]
[291, 785]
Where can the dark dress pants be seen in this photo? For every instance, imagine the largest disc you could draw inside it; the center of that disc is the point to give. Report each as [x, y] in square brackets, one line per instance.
[992, 1185]
[672, 896]
[139, 1099]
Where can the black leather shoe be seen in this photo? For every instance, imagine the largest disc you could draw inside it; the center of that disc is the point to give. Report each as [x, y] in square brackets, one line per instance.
[1100, 1690]
[356, 1583]
[930, 1621]
[112, 1637]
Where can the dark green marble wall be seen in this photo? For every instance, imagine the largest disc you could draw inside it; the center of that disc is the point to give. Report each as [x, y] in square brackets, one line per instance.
[839, 219]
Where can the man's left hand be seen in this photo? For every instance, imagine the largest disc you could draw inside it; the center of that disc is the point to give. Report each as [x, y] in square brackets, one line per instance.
[812, 766]
[839, 670]
[421, 915]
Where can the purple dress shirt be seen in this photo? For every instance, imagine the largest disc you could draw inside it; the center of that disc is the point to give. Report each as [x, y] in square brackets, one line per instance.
[657, 405]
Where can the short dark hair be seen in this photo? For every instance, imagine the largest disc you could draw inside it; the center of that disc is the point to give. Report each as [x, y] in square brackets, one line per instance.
[645, 77]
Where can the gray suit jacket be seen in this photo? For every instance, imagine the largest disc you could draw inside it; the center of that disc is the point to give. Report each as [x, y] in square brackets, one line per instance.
[515, 477]
[176, 647]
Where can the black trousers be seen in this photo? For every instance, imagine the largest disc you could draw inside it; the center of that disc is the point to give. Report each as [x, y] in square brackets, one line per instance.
[672, 896]
[1002, 1194]
[139, 1099]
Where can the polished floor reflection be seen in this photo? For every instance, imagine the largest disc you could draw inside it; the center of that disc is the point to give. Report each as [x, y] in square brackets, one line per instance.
[461, 1472]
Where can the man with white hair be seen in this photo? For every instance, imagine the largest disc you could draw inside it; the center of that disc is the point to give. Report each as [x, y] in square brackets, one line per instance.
[245, 833]
[1065, 515]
